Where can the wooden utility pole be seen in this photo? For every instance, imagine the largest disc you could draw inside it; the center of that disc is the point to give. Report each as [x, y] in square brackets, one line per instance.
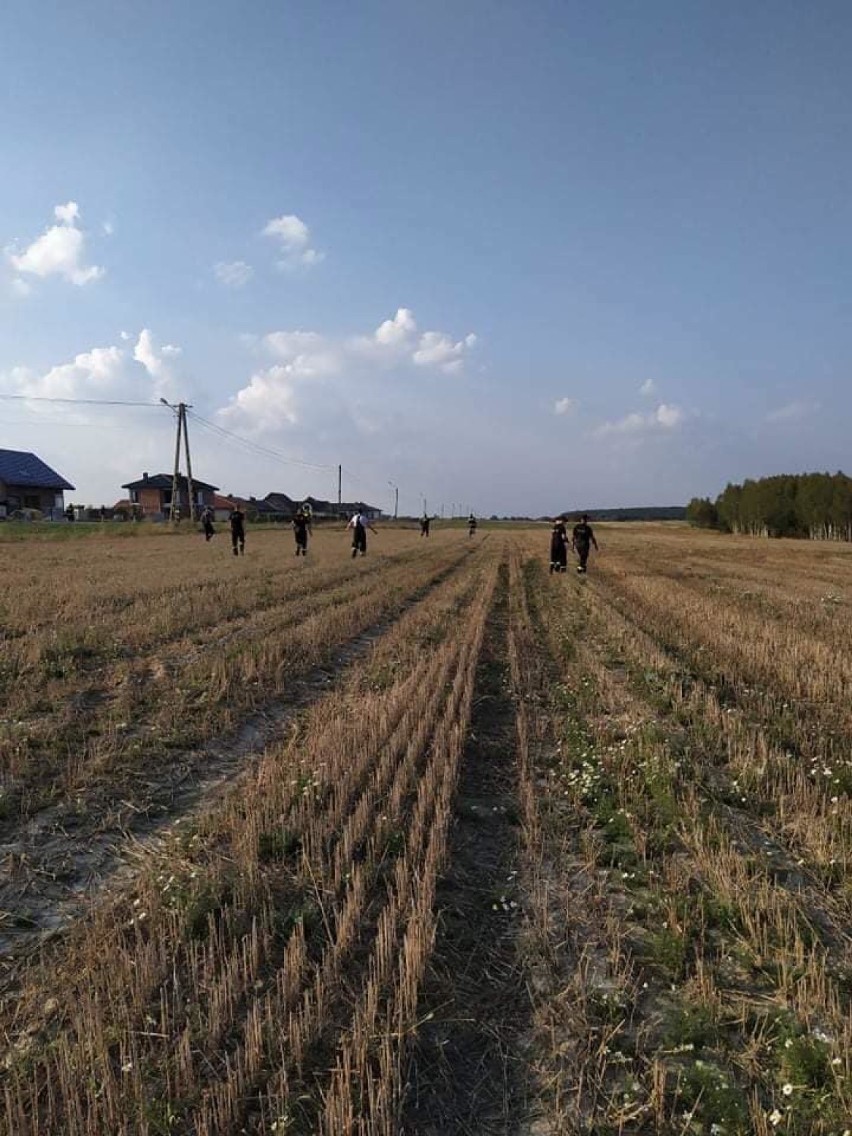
[339, 486]
[188, 464]
[395, 501]
[182, 433]
[176, 476]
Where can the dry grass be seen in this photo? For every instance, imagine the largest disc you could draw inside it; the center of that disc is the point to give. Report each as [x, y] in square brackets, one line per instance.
[681, 765]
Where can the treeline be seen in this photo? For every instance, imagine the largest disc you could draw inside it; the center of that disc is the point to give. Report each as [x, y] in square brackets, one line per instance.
[631, 513]
[814, 505]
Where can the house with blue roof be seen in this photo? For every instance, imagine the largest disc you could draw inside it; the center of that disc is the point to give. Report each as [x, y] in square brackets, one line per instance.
[26, 482]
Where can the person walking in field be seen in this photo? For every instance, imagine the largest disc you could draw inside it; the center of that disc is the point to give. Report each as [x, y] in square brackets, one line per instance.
[558, 546]
[471, 525]
[359, 524]
[425, 522]
[237, 521]
[582, 539]
[301, 529]
[207, 523]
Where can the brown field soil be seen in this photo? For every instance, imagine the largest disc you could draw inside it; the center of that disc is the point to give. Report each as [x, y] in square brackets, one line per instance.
[429, 842]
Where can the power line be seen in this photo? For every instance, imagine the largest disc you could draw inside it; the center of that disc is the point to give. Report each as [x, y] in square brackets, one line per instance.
[81, 401]
[257, 448]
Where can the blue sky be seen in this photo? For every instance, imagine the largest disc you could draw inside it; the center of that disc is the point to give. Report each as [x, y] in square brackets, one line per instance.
[522, 257]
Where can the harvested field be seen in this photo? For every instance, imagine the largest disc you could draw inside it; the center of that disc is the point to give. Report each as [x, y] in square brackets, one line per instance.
[431, 842]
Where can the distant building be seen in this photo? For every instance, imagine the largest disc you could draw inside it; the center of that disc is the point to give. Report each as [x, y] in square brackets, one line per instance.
[276, 507]
[223, 506]
[26, 482]
[153, 494]
[348, 508]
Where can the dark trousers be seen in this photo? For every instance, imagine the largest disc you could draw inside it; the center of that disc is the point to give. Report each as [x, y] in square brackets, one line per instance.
[583, 554]
[238, 537]
[558, 555]
[359, 540]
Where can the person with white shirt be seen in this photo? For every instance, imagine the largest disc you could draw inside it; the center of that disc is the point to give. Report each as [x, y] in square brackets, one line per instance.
[359, 524]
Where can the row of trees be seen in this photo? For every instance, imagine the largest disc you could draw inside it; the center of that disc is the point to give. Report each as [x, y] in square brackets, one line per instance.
[815, 505]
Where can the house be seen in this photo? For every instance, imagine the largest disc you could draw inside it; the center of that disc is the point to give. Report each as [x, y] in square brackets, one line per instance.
[347, 508]
[223, 506]
[277, 507]
[153, 493]
[26, 482]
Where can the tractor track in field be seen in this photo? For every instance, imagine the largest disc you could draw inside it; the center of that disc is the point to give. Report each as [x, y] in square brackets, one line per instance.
[60, 861]
[466, 1073]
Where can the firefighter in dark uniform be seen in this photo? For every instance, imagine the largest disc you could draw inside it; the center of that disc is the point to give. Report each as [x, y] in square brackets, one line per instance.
[237, 521]
[582, 539]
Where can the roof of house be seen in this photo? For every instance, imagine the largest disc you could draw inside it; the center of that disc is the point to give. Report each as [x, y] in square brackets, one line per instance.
[164, 481]
[279, 502]
[220, 502]
[17, 467]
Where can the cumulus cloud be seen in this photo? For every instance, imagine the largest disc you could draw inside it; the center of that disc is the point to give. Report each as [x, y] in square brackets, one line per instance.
[156, 361]
[565, 406]
[792, 412]
[397, 331]
[111, 372]
[59, 251]
[649, 387]
[293, 239]
[665, 417]
[304, 354]
[233, 273]
[398, 339]
[438, 350]
[268, 401]
[274, 395]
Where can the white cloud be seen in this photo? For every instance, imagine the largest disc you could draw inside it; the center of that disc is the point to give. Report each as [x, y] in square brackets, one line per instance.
[397, 331]
[397, 340]
[649, 387]
[59, 251]
[293, 238]
[668, 416]
[155, 361]
[436, 349]
[304, 354]
[665, 417]
[234, 273]
[267, 402]
[67, 214]
[111, 372]
[108, 228]
[276, 396]
[565, 406]
[792, 412]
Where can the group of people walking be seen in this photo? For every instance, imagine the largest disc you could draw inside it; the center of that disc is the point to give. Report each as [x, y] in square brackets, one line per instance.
[302, 529]
[236, 523]
[426, 522]
[582, 542]
[582, 535]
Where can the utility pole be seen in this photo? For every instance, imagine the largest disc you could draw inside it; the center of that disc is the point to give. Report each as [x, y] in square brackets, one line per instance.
[339, 485]
[176, 475]
[182, 433]
[395, 501]
[188, 464]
